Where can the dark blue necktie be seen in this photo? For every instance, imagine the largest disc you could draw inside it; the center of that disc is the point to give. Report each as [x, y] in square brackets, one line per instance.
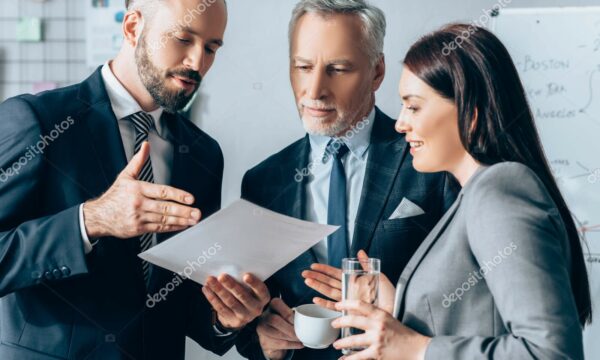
[337, 243]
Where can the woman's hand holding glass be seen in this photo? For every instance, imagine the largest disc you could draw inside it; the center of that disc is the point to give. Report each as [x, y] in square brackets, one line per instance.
[384, 336]
[327, 280]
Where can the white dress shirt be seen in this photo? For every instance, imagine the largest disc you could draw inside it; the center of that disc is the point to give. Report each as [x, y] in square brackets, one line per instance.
[161, 150]
[355, 165]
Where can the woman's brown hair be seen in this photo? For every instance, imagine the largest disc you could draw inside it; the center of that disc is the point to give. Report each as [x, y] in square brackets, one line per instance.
[470, 66]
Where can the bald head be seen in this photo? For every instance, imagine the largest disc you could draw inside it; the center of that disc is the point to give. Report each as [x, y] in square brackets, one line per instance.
[136, 4]
[149, 8]
[132, 4]
[169, 47]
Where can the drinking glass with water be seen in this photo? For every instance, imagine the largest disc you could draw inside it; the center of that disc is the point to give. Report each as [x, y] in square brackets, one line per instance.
[360, 281]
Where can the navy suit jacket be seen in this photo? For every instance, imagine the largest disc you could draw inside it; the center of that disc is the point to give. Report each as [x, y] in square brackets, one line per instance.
[389, 178]
[56, 302]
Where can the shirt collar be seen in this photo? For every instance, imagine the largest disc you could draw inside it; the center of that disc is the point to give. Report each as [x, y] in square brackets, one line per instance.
[123, 104]
[357, 139]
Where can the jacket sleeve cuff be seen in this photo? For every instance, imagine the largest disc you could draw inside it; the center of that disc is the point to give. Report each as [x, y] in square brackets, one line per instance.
[288, 355]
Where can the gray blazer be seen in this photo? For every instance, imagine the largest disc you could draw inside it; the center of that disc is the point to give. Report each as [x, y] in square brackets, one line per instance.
[491, 280]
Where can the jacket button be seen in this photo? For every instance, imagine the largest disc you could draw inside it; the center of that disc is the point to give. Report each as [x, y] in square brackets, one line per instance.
[57, 274]
[48, 275]
[65, 271]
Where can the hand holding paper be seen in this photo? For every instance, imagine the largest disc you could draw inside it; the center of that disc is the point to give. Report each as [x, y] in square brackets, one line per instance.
[242, 238]
[232, 252]
[236, 305]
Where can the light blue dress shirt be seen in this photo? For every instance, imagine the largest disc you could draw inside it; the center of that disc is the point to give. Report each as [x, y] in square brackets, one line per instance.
[358, 140]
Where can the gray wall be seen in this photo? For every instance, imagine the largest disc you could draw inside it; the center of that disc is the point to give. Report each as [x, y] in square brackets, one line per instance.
[246, 101]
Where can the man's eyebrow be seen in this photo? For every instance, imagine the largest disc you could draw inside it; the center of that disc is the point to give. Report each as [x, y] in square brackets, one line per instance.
[341, 62]
[218, 42]
[333, 62]
[301, 59]
[191, 31]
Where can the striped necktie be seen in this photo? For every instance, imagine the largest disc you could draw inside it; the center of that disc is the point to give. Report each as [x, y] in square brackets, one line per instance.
[143, 123]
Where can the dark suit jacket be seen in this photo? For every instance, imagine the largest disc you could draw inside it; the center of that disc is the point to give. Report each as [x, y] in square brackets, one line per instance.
[57, 302]
[389, 178]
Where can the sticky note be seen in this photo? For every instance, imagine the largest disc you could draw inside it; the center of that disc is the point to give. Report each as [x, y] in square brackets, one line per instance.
[29, 29]
[119, 16]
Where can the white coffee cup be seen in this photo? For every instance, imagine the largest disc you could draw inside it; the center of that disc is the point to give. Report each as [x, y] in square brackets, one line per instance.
[312, 325]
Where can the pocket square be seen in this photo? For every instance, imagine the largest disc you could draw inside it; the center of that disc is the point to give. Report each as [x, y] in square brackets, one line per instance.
[406, 209]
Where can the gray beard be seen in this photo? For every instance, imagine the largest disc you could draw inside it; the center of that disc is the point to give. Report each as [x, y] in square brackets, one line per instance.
[332, 131]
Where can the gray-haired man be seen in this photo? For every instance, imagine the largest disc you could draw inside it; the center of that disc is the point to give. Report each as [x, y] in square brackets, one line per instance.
[351, 169]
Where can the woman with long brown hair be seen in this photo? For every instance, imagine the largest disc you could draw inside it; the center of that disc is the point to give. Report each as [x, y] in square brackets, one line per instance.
[502, 275]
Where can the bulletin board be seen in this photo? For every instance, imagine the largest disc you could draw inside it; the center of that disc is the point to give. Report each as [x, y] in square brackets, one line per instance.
[42, 45]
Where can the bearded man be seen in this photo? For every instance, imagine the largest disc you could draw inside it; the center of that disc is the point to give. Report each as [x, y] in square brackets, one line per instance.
[95, 173]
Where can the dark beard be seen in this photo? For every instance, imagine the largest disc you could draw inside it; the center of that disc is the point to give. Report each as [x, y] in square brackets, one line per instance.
[155, 82]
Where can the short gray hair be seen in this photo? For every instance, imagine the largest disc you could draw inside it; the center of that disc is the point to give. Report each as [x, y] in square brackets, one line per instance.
[373, 19]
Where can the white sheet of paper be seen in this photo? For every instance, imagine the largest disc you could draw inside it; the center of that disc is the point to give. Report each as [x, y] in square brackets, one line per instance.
[240, 238]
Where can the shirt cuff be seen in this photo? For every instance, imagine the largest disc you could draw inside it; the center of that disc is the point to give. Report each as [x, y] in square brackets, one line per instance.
[87, 244]
[288, 355]
[221, 333]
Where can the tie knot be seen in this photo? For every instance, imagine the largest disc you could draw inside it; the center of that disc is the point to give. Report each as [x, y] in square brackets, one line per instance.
[337, 149]
[142, 121]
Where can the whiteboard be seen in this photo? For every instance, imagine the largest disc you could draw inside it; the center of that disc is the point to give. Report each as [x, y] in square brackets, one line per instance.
[557, 53]
[104, 33]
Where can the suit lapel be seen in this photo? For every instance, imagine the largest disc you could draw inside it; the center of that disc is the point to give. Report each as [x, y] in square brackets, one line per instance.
[295, 204]
[289, 190]
[183, 176]
[416, 259]
[103, 131]
[387, 152]
[186, 166]
[189, 169]
[186, 173]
